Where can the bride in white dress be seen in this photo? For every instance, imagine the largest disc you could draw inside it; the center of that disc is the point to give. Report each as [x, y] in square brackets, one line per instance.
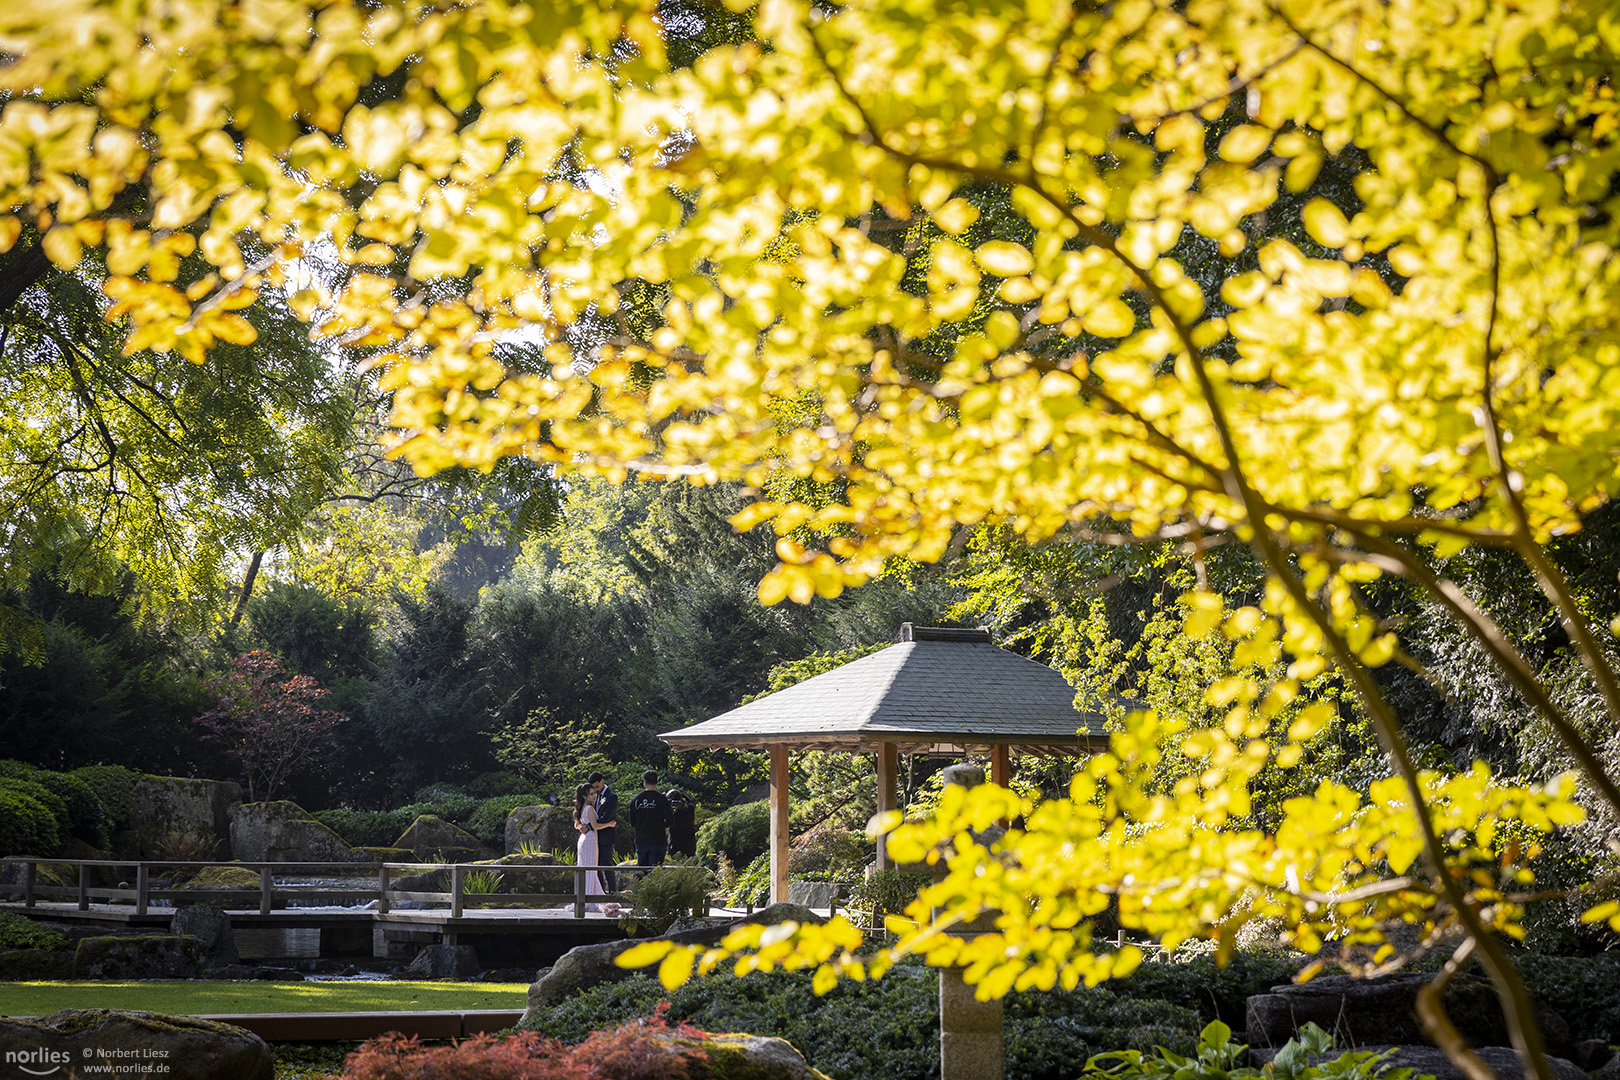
[586, 853]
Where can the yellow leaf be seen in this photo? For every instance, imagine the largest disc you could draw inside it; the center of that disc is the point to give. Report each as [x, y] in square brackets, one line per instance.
[1004, 258]
[1244, 143]
[62, 247]
[648, 952]
[1326, 223]
[677, 967]
[1110, 318]
[956, 217]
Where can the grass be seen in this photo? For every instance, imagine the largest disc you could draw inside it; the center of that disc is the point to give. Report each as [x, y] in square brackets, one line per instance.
[202, 998]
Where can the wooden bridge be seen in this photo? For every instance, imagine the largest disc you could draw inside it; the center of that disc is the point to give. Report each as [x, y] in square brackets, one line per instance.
[358, 903]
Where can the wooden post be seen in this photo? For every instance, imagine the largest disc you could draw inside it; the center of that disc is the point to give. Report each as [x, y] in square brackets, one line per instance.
[579, 893]
[1001, 765]
[457, 880]
[382, 890]
[143, 885]
[84, 887]
[779, 824]
[1001, 770]
[266, 891]
[888, 769]
[28, 884]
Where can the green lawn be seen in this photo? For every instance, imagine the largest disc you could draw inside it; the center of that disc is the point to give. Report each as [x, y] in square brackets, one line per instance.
[194, 998]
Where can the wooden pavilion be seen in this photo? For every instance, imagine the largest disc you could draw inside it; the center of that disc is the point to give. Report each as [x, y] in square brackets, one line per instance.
[937, 691]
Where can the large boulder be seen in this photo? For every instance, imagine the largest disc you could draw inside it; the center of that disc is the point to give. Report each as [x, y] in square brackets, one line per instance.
[184, 1047]
[1358, 1012]
[444, 962]
[540, 829]
[586, 966]
[813, 894]
[211, 926]
[164, 807]
[1426, 1060]
[435, 840]
[283, 831]
[141, 956]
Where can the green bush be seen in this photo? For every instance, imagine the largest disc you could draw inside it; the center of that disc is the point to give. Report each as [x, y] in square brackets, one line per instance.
[492, 785]
[1216, 1058]
[663, 895]
[366, 828]
[114, 785]
[28, 824]
[1211, 992]
[443, 801]
[1584, 990]
[77, 808]
[20, 932]
[740, 833]
[752, 886]
[886, 1029]
[884, 892]
[488, 822]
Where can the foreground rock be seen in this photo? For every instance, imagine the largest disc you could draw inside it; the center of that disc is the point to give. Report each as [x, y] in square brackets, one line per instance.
[171, 806]
[540, 829]
[283, 831]
[1361, 1012]
[191, 1049]
[757, 1057]
[1426, 1060]
[592, 965]
[141, 956]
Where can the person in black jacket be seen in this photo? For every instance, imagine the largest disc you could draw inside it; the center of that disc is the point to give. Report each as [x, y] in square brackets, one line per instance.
[607, 834]
[649, 816]
[682, 823]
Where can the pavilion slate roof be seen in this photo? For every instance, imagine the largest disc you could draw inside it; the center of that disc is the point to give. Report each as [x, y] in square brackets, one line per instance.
[928, 694]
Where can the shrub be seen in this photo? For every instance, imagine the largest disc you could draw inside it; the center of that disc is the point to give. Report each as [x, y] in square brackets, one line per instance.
[663, 895]
[887, 1029]
[1216, 1056]
[1584, 990]
[752, 886]
[27, 825]
[839, 854]
[20, 932]
[86, 818]
[488, 821]
[884, 892]
[445, 803]
[632, 1051]
[492, 785]
[366, 828]
[521, 1057]
[1211, 992]
[740, 833]
[114, 785]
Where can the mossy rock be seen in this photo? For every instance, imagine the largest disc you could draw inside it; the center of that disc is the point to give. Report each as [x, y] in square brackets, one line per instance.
[167, 806]
[142, 956]
[192, 1049]
[35, 965]
[385, 854]
[283, 831]
[744, 1057]
[223, 877]
[435, 840]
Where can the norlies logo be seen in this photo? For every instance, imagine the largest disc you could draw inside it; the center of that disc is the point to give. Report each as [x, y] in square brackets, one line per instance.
[39, 1062]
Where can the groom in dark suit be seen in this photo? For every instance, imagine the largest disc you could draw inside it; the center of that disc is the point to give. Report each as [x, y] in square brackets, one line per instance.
[607, 812]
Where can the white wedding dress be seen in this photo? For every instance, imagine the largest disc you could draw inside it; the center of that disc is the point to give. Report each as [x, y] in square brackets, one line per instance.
[586, 855]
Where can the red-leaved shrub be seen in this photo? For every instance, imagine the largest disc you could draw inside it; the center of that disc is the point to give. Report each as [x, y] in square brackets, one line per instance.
[517, 1057]
[639, 1050]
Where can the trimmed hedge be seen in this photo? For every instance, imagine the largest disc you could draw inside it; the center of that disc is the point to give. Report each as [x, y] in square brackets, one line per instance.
[488, 822]
[366, 828]
[886, 1029]
[27, 823]
[114, 785]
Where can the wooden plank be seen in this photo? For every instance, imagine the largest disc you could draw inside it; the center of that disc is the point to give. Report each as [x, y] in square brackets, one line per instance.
[143, 885]
[888, 798]
[266, 891]
[382, 890]
[84, 887]
[779, 824]
[1001, 764]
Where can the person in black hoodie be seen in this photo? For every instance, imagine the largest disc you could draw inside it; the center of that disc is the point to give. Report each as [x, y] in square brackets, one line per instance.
[682, 824]
[649, 816]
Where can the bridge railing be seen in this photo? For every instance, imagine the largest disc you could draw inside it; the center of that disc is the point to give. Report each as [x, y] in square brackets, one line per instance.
[153, 881]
